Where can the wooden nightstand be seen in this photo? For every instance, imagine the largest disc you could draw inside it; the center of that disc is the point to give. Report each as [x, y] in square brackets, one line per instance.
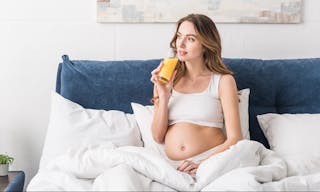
[14, 181]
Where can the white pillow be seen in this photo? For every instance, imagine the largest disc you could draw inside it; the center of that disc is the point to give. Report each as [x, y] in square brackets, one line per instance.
[144, 115]
[295, 137]
[70, 125]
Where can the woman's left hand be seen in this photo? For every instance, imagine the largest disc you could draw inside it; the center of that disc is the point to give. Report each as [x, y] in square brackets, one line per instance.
[189, 167]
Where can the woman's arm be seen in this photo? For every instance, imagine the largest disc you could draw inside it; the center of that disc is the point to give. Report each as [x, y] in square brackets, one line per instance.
[160, 117]
[161, 95]
[229, 100]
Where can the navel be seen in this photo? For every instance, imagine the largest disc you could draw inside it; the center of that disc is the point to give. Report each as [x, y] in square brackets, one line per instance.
[182, 148]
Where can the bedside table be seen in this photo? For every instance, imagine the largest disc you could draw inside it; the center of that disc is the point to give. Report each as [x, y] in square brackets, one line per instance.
[14, 181]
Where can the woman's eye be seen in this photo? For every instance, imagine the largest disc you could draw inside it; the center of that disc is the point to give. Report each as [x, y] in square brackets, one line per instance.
[191, 39]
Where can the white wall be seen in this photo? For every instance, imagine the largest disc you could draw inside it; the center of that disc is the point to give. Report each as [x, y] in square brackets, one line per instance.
[35, 33]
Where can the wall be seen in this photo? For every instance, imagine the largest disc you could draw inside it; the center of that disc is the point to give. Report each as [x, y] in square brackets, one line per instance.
[34, 34]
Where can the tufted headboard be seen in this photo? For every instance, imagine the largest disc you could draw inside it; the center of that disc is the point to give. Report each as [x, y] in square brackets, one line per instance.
[277, 86]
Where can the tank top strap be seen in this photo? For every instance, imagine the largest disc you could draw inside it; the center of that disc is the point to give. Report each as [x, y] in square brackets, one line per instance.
[214, 85]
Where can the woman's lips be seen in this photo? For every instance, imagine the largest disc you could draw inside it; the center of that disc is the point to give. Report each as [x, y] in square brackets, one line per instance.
[182, 53]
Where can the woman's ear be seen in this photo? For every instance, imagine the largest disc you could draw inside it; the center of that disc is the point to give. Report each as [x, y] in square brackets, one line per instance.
[203, 50]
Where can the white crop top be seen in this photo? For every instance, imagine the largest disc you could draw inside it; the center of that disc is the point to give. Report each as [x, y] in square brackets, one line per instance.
[202, 108]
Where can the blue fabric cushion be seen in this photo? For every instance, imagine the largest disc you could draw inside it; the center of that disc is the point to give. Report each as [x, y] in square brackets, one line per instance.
[277, 86]
[106, 84]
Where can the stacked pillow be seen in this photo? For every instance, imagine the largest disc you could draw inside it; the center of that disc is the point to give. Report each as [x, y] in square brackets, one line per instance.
[295, 137]
[71, 125]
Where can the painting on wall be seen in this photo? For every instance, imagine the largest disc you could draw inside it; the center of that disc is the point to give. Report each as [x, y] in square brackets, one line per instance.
[221, 11]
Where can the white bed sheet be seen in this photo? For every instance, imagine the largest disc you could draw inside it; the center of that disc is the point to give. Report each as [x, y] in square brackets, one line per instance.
[246, 166]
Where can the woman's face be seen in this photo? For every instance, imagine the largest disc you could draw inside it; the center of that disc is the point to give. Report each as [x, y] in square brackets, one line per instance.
[189, 48]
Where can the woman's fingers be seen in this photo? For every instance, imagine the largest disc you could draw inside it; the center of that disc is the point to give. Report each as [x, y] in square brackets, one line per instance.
[193, 168]
[188, 167]
[184, 164]
[155, 73]
[157, 70]
[193, 171]
[153, 79]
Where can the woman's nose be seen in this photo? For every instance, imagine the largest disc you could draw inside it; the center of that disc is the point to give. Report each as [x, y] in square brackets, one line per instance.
[181, 42]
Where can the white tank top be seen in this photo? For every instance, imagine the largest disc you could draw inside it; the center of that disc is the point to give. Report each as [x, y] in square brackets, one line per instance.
[202, 108]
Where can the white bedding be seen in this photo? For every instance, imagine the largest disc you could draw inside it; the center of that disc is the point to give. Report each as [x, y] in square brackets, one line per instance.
[246, 166]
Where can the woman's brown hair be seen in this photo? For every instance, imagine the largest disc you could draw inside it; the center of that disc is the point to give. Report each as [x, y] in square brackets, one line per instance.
[208, 35]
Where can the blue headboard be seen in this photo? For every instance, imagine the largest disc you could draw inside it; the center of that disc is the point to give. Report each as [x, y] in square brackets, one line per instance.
[277, 86]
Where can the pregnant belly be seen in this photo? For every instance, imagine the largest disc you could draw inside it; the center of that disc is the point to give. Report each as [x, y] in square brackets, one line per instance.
[184, 140]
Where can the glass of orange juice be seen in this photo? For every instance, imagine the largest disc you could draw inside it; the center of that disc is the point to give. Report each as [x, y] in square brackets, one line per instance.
[167, 69]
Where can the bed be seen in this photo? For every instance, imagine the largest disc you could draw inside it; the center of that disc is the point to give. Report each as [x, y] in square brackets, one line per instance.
[99, 137]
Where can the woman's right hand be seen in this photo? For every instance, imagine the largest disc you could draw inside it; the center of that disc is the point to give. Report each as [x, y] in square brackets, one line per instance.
[163, 90]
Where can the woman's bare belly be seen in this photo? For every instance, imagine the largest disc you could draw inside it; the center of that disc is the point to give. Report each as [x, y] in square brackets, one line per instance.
[185, 140]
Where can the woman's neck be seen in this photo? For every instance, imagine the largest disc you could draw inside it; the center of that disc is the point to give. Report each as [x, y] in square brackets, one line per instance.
[195, 70]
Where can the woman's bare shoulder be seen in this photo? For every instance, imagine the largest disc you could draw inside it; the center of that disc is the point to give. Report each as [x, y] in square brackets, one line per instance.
[227, 80]
[227, 84]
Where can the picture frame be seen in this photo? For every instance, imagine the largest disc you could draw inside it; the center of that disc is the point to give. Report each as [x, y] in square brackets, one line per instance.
[221, 11]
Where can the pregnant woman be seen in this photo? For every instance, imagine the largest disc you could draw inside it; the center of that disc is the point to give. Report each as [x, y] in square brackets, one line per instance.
[201, 97]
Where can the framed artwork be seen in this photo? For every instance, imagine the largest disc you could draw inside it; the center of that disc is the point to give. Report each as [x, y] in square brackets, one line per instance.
[221, 11]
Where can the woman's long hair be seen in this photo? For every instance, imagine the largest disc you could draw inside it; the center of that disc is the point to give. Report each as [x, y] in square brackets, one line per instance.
[208, 36]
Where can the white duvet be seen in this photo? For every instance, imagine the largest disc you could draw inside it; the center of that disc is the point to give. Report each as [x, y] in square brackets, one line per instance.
[246, 166]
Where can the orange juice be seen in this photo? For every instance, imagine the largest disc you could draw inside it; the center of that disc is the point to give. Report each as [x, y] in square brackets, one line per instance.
[167, 69]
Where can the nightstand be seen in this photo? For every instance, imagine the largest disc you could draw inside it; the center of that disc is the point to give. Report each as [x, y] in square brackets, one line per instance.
[14, 181]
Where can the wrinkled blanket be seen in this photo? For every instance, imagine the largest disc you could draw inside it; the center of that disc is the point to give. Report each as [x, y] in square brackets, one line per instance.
[246, 166]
